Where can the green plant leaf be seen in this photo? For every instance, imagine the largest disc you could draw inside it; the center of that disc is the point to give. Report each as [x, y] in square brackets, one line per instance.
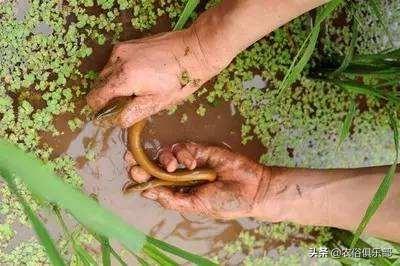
[349, 51]
[142, 261]
[105, 248]
[186, 13]
[308, 46]
[345, 238]
[38, 226]
[158, 256]
[345, 131]
[118, 257]
[385, 185]
[357, 88]
[81, 253]
[44, 183]
[198, 260]
[376, 9]
[105, 252]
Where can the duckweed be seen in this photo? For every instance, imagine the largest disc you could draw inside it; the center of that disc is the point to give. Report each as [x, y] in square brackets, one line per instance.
[201, 110]
[268, 245]
[301, 127]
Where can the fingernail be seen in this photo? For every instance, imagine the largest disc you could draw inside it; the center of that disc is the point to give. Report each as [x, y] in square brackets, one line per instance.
[192, 165]
[150, 195]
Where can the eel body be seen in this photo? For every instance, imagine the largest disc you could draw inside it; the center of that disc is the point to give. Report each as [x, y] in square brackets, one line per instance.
[163, 178]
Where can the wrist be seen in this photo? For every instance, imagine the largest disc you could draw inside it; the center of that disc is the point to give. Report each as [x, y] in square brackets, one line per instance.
[267, 205]
[292, 195]
[212, 41]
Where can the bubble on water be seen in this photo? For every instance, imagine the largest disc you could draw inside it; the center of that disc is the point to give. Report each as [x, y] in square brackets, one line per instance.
[256, 82]
[21, 8]
[43, 28]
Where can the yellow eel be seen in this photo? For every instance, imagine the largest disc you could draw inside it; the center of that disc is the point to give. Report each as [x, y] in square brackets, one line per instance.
[161, 177]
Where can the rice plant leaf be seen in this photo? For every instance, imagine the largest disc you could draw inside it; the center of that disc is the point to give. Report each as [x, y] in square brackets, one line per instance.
[42, 182]
[384, 187]
[375, 203]
[186, 13]
[142, 261]
[105, 248]
[105, 252]
[345, 238]
[308, 46]
[198, 260]
[357, 88]
[118, 257]
[158, 256]
[41, 232]
[296, 70]
[349, 51]
[345, 131]
[81, 253]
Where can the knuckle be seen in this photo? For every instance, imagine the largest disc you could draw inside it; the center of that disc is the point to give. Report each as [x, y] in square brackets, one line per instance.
[119, 48]
[125, 68]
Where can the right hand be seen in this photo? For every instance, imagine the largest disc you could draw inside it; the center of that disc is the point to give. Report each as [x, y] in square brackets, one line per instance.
[240, 187]
[160, 71]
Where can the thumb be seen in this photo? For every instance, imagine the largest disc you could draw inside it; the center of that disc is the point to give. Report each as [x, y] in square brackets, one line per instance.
[138, 109]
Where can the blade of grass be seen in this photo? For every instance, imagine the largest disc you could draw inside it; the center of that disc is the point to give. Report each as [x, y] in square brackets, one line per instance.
[381, 59]
[104, 241]
[376, 9]
[349, 51]
[385, 185]
[357, 88]
[105, 252]
[41, 232]
[186, 13]
[42, 182]
[82, 254]
[158, 256]
[345, 237]
[141, 260]
[345, 131]
[308, 46]
[118, 257]
[181, 253]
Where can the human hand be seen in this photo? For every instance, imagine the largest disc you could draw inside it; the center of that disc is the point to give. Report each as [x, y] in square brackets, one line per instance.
[241, 183]
[159, 71]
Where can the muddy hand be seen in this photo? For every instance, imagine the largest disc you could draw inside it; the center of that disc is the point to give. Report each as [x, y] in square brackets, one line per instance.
[232, 195]
[160, 71]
